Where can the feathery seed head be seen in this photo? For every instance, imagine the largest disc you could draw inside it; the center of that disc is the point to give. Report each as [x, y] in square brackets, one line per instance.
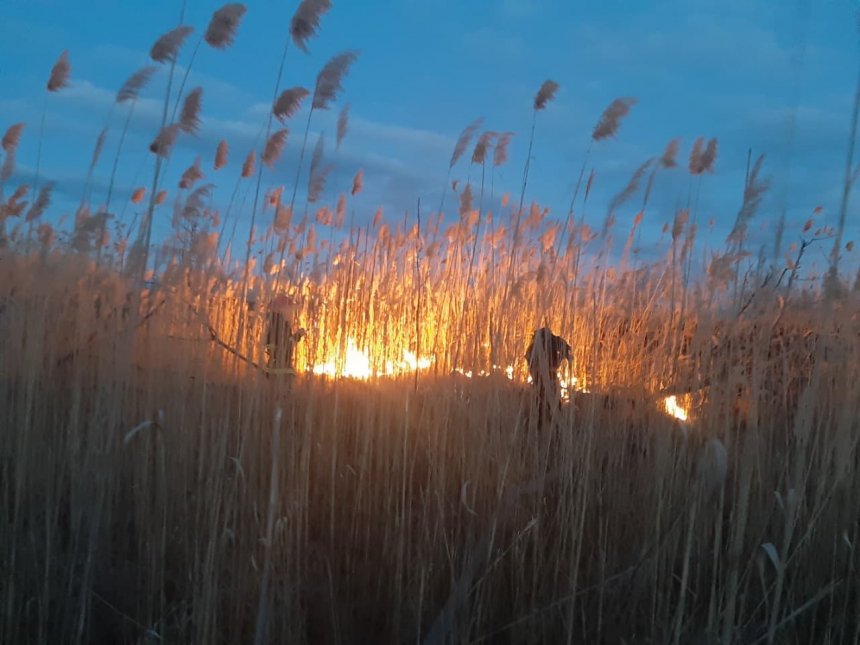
[330, 79]
[610, 120]
[166, 48]
[545, 94]
[306, 21]
[224, 24]
[288, 103]
[60, 73]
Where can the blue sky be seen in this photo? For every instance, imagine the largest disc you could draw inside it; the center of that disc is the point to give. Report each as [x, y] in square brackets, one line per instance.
[777, 77]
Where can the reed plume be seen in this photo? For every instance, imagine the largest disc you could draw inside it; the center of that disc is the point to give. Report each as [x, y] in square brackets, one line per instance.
[195, 205]
[545, 94]
[316, 182]
[60, 73]
[189, 120]
[20, 191]
[340, 211]
[753, 193]
[357, 182]
[283, 218]
[610, 120]
[249, 164]
[163, 142]
[342, 125]
[703, 156]
[288, 103]
[500, 152]
[274, 146]
[306, 21]
[160, 197]
[12, 137]
[40, 205]
[466, 201]
[97, 150]
[58, 79]
[695, 162]
[13, 207]
[224, 24]
[631, 187]
[130, 90]
[166, 48]
[330, 79]
[709, 156]
[191, 175]
[667, 159]
[479, 154]
[221, 154]
[463, 141]
[138, 195]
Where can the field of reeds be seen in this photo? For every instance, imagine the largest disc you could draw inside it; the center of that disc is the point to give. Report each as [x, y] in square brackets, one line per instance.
[697, 482]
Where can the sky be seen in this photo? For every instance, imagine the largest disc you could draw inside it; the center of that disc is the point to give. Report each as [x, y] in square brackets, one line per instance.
[773, 77]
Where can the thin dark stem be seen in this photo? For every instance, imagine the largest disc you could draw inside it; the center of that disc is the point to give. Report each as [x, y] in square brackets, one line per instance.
[260, 172]
[146, 224]
[518, 215]
[113, 172]
[298, 175]
[185, 80]
[846, 187]
[445, 188]
[39, 148]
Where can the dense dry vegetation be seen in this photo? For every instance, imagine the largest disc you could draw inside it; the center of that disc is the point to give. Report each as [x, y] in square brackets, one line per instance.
[158, 485]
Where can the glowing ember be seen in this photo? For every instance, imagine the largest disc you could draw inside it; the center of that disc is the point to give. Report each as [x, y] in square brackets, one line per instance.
[670, 403]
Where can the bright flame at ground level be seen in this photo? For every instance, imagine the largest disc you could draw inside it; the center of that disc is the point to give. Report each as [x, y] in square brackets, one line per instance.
[670, 403]
[357, 364]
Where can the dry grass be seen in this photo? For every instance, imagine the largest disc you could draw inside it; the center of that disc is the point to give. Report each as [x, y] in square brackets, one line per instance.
[396, 501]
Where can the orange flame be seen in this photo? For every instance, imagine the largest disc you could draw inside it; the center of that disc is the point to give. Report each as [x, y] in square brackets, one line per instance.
[673, 408]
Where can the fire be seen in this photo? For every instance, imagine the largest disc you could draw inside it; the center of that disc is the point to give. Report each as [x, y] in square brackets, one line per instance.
[357, 364]
[670, 403]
